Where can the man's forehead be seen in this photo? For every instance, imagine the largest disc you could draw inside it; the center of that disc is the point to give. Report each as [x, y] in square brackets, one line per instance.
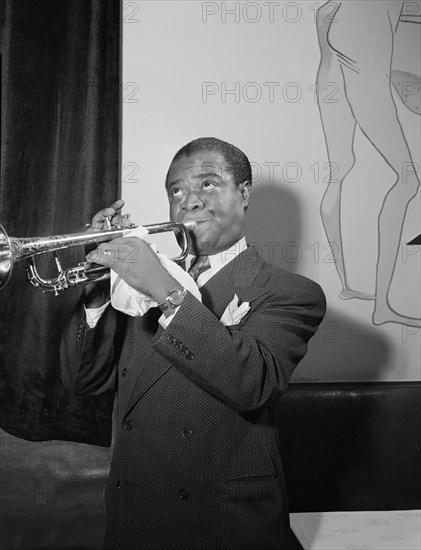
[199, 164]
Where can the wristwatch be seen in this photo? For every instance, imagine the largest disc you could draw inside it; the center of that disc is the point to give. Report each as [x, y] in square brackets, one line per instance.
[174, 299]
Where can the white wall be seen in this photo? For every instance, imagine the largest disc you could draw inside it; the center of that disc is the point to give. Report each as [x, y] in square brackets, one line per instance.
[178, 58]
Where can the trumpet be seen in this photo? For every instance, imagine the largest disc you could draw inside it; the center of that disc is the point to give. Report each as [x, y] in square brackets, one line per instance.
[13, 249]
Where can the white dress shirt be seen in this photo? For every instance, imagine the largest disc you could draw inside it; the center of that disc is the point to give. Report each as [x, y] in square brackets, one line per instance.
[218, 261]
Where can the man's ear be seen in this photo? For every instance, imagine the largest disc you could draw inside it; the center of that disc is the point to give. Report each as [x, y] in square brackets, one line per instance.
[245, 188]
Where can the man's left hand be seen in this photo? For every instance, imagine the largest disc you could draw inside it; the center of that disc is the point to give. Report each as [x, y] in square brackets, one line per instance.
[135, 261]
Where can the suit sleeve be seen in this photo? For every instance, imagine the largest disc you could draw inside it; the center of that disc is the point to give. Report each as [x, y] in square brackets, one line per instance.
[249, 364]
[87, 355]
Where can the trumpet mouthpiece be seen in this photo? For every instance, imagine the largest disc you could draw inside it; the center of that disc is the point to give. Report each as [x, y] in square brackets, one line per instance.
[190, 224]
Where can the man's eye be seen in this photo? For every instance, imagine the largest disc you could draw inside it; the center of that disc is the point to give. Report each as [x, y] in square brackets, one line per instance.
[175, 192]
[209, 185]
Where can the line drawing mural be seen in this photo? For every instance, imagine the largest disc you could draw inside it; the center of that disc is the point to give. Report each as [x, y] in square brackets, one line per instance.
[356, 54]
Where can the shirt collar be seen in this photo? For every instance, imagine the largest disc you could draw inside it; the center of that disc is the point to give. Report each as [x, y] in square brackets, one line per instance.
[221, 259]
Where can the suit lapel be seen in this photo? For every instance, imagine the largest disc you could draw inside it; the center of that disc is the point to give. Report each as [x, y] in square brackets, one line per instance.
[235, 278]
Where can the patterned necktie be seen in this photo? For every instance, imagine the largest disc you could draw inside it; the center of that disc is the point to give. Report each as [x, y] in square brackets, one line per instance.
[198, 266]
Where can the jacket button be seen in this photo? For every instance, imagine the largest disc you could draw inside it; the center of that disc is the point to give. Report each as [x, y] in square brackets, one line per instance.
[178, 344]
[183, 494]
[190, 356]
[128, 425]
[171, 338]
[186, 433]
[124, 372]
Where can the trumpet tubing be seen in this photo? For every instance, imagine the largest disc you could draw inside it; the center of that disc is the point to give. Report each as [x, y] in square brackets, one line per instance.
[13, 249]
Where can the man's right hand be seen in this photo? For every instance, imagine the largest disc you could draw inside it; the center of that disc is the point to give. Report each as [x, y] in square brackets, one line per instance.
[113, 212]
[97, 294]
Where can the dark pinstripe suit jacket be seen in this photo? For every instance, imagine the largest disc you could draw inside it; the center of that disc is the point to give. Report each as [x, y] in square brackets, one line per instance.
[196, 463]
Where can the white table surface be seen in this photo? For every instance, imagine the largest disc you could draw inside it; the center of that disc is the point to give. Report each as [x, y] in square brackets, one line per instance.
[391, 530]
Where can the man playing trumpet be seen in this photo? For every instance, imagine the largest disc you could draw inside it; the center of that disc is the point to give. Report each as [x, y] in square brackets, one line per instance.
[196, 462]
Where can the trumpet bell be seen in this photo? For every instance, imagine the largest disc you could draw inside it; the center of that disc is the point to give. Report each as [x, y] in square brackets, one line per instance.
[6, 257]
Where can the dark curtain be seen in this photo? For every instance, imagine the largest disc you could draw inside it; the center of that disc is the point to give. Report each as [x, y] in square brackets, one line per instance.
[59, 165]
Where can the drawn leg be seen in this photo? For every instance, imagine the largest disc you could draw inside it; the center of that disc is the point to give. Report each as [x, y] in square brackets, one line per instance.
[339, 128]
[376, 115]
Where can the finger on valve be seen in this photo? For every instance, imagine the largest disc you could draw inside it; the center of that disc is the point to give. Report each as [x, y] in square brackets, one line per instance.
[99, 221]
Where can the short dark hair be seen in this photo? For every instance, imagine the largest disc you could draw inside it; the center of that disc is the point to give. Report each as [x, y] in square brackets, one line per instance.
[235, 160]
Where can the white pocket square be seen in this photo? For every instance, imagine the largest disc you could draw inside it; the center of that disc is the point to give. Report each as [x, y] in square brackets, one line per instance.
[234, 312]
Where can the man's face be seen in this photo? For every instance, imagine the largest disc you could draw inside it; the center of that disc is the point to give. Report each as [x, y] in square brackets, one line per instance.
[200, 189]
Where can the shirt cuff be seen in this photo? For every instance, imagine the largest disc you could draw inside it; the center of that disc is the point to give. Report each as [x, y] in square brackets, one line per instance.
[165, 321]
[93, 314]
